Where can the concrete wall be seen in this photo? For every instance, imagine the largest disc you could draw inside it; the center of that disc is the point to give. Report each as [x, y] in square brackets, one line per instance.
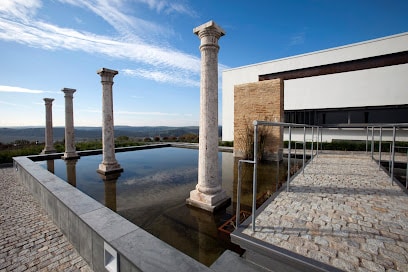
[88, 225]
[258, 101]
[372, 87]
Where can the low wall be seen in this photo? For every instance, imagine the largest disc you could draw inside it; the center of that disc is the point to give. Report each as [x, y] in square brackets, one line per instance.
[88, 225]
[258, 101]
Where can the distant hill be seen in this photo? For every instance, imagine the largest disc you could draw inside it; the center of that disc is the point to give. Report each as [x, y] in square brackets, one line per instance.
[10, 135]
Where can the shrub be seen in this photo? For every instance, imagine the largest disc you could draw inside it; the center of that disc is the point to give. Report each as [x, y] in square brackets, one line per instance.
[226, 143]
[6, 156]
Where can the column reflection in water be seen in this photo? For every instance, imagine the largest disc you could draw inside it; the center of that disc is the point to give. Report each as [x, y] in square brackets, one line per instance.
[227, 174]
[110, 189]
[206, 231]
[71, 171]
[50, 166]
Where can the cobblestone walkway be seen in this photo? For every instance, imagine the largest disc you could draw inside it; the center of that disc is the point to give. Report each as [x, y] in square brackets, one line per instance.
[29, 240]
[343, 212]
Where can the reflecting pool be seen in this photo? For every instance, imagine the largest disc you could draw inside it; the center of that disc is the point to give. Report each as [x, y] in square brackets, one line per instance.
[151, 192]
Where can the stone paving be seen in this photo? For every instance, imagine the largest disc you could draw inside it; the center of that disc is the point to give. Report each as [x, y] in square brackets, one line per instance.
[29, 240]
[343, 212]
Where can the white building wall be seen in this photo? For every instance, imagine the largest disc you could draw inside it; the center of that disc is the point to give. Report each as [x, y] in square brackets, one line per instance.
[371, 87]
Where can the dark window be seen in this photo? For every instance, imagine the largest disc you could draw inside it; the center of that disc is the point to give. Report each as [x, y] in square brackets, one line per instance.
[366, 117]
[385, 114]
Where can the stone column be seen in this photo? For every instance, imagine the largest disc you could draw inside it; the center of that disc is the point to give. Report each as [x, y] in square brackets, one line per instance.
[49, 141]
[208, 194]
[109, 163]
[70, 152]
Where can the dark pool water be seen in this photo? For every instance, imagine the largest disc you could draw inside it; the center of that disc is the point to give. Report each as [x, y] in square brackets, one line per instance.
[152, 190]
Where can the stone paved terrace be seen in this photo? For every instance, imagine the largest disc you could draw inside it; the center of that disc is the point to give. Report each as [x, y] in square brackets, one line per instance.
[343, 212]
[29, 240]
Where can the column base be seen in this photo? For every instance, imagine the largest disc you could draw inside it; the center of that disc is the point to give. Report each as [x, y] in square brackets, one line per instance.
[70, 156]
[109, 168]
[209, 203]
[50, 151]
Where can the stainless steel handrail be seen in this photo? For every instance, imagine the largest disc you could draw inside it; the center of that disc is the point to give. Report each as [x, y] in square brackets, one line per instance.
[255, 162]
[406, 168]
[239, 185]
[392, 145]
[319, 133]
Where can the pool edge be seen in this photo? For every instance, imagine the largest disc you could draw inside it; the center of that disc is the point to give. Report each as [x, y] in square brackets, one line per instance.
[86, 227]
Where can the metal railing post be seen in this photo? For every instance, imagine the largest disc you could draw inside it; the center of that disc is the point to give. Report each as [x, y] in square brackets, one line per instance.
[239, 188]
[372, 142]
[238, 209]
[304, 150]
[312, 144]
[379, 150]
[393, 154]
[290, 139]
[406, 173]
[317, 142]
[254, 177]
[389, 161]
[277, 174]
[321, 139]
[367, 141]
[295, 162]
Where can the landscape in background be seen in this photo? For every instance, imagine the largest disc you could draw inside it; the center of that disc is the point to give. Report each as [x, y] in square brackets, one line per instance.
[34, 134]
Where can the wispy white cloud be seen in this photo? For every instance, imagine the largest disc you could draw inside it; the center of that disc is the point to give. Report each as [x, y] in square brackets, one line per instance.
[164, 178]
[13, 89]
[298, 38]
[175, 77]
[52, 37]
[167, 7]
[7, 103]
[113, 12]
[91, 110]
[78, 20]
[18, 23]
[22, 9]
[155, 113]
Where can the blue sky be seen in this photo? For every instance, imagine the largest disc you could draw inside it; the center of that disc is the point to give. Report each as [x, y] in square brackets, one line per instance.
[46, 45]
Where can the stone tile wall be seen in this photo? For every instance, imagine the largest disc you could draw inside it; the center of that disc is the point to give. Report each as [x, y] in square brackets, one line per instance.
[261, 100]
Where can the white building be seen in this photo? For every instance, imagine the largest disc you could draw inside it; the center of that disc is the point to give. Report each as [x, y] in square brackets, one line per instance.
[355, 84]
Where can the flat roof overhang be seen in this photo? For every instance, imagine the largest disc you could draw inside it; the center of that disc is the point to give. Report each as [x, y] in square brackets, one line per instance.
[341, 67]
